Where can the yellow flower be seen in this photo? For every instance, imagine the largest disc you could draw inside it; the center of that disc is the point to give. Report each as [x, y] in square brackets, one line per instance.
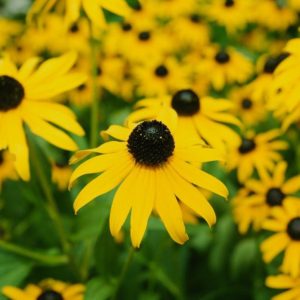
[266, 67]
[285, 223]
[223, 66]
[254, 203]
[274, 15]
[198, 117]
[284, 90]
[283, 281]
[155, 173]
[61, 174]
[7, 170]
[72, 9]
[47, 289]
[159, 77]
[257, 152]
[175, 8]
[25, 95]
[233, 14]
[8, 30]
[251, 110]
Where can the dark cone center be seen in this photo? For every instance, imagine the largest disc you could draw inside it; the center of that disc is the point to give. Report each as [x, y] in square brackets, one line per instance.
[151, 143]
[195, 18]
[1, 157]
[126, 27]
[274, 197]
[186, 102]
[144, 36]
[229, 3]
[293, 229]
[246, 146]
[273, 62]
[161, 71]
[222, 57]
[11, 93]
[74, 28]
[50, 295]
[247, 103]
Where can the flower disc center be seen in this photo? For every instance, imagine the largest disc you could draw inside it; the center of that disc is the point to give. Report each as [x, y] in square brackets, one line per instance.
[246, 103]
[274, 197]
[229, 3]
[11, 93]
[293, 229]
[246, 146]
[186, 102]
[50, 295]
[161, 71]
[151, 143]
[222, 57]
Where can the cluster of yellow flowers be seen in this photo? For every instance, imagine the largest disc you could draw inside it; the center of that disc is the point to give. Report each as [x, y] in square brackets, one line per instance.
[206, 73]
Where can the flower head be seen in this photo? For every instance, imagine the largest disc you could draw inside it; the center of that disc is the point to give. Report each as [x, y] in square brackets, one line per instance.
[155, 172]
[25, 95]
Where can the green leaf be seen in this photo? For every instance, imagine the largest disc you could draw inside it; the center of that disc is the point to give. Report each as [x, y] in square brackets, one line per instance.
[13, 270]
[98, 289]
[243, 257]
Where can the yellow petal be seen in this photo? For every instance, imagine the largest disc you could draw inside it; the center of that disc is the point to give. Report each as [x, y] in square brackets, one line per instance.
[103, 183]
[117, 132]
[50, 133]
[191, 196]
[94, 12]
[142, 204]
[169, 210]
[55, 113]
[199, 177]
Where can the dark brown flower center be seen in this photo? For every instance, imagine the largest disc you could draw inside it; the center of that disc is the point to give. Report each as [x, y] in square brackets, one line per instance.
[273, 62]
[186, 102]
[246, 146]
[126, 27]
[229, 3]
[144, 36]
[222, 57]
[161, 71]
[11, 93]
[151, 143]
[50, 295]
[274, 197]
[293, 229]
[74, 28]
[247, 103]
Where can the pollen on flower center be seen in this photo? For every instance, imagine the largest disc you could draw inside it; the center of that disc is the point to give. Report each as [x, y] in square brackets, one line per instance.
[246, 146]
[161, 71]
[246, 103]
[11, 93]
[50, 295]
[293, 229]
[151, 143]
[222, 57]
[186, 102]
[274, 197]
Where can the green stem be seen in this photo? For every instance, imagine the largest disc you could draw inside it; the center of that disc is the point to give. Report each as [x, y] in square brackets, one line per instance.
[95, 104]
[39, 257]
[123, 272]
[53, 209]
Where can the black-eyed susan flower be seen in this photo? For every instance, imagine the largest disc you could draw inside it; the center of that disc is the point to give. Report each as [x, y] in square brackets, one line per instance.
[198, 117]
[254, 203]
[284, 282]
[251, 110]
[233, 14]
[7, 169]
[223, 66]
[275, 15]
[24, 99]
[258, 152]
[284, 222]
[266, 68]
[92, 8]
[284, 89]
[46, 290]
[159, 77]
[8, 30]
[155, 172]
